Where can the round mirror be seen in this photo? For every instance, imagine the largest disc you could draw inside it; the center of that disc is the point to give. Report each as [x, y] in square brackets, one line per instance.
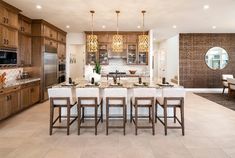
[216, 58]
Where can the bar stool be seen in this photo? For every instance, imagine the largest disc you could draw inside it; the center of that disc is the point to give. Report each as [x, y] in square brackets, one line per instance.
[89, 98]
[115, 97]
[61, 98]
[171, 97]
[143, 98]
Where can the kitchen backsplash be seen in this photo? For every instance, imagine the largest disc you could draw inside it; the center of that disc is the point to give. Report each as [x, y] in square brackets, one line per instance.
[11, 74]
[121, 66]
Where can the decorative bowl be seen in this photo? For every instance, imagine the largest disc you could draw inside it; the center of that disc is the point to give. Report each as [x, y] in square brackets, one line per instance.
[132, 72]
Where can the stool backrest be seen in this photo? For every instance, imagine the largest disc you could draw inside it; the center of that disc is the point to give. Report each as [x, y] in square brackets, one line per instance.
[173, 93]
[88, 93]
[115, 92]
[61, 93]
[225, 77]
[144, 93]
[231, 81]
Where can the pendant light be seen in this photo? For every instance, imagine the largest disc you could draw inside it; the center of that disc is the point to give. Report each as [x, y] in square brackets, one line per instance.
[117, 44]
[143, 40]
[92, 40]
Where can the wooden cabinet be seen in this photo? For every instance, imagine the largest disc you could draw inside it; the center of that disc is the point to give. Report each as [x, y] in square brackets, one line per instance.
[61, 51]
[8, 37]
[24, 98]
[51, 43]
[25, 49]
[9, 104]
[29, 94]
[25, 25]
[49, 32]
[34, 93]
[61, 37]
[9, 17]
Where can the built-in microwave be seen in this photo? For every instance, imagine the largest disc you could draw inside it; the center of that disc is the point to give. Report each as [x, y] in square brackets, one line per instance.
[8, 57]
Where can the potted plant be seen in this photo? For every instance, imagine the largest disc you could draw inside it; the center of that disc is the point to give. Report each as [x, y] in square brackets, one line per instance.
[97, 72]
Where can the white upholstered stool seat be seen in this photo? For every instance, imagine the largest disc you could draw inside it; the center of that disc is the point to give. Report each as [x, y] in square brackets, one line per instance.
[89, 98]
[61, 97]
[171, 97]
[115, 97]
[143, 98]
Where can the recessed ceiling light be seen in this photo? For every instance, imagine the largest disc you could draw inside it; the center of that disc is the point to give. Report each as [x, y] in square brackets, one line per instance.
[67, 26]
[154, 39]
[38, 6]
[103, 26]
[213, 27]
[138, 26]
[174, 26]
[205, 7]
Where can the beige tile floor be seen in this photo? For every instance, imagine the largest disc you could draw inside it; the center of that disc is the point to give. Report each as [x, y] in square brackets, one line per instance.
[210, 132]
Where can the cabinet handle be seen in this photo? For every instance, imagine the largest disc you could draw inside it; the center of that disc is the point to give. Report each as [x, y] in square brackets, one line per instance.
[4, 41]
[4, 20]
[50, 35]
[7, 42]
[7, 20]
[50, 43]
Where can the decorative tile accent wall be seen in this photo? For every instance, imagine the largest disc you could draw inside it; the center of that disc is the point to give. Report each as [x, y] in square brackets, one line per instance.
[121, 66]
[11, 74]
[194, 73]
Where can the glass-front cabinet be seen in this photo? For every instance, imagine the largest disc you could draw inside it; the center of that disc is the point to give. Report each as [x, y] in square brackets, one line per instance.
[91, 58]
[103, 54]
[131, 54]
[143, 58]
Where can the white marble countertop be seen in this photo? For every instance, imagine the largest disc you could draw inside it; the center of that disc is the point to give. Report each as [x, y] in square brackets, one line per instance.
[19, 82]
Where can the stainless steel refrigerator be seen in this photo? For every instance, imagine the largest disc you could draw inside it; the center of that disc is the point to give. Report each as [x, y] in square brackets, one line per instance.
[50, 69]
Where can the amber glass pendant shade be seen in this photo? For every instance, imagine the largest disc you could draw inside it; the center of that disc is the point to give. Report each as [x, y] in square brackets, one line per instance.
[92, 40]
[117, 44]
[143, 40]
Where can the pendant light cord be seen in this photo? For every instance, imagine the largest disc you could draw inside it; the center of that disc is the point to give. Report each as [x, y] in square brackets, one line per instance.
[117, 21]
[92, 19]
[143, 12]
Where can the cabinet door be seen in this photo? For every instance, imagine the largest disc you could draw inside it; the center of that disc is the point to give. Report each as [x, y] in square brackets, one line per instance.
[3, 15]
[53, 34]
[25, 48]
[12, 38]
[25, 26]
[12, 19]
[3, 106]
[25, 97]
[61, 51]
[14, 105]
[50, 43]
[34, 94]
[46, 31]
[61, 37]
[3, 36]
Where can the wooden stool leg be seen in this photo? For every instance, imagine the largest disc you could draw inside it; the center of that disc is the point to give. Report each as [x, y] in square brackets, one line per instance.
[149, 114]
[124, 119]
[59, 114]
[156, 106]
[153, 119]
[182, 118]
[68, 118]
[174, 114]
[79, 117]
[136, 119]
[51, 117]
[223, 90]
[165, 119]
[101, 112]
[96, 119]
[131, 117]
[83, 114]
[107, 118]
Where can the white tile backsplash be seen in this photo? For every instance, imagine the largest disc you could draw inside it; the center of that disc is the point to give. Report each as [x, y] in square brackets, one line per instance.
[11, 74]
[121, 66]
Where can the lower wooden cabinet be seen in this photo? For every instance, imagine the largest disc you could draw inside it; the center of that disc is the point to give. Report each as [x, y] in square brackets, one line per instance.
[18, 98]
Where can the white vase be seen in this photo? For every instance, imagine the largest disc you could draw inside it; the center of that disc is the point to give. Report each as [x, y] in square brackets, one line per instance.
[97, 77]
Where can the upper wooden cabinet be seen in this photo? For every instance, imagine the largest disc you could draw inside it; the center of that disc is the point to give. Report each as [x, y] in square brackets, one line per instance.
[8, 37]
[61, 51]
[51, 43]
[9, 15]
[61, 37]
[25, 49]
[24, 24]
[49, 32]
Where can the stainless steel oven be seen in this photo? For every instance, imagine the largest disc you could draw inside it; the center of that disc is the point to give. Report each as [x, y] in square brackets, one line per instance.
[8, 57]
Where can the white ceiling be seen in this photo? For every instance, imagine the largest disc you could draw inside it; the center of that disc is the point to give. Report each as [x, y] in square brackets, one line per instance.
[188, 15]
